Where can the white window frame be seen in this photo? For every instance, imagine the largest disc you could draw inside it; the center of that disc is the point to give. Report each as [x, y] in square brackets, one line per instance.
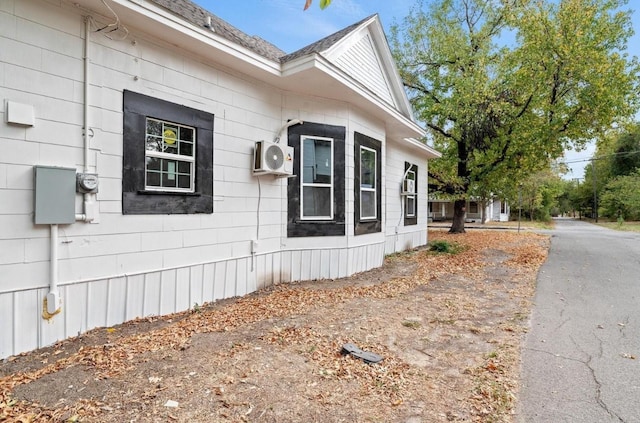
[316, 185]
[170, 156]
[373, 189]
[412, 197]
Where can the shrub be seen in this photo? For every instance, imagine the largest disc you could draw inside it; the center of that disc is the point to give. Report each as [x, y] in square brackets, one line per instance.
[444, 247]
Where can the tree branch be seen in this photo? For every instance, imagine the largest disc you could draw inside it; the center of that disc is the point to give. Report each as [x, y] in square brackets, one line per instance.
[423, 90]
[570, 120]
[442, 132]
[446, 187]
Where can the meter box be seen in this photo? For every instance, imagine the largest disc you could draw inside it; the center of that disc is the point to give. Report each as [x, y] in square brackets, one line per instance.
[87, 183]
[55, 195]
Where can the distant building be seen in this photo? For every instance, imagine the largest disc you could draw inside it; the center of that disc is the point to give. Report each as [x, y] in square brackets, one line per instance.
[496, 210]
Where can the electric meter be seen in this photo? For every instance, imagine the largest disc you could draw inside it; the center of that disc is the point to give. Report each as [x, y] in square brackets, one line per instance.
[87, 183]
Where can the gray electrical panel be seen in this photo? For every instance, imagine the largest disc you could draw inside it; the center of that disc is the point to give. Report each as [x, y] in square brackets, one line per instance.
[55, 195]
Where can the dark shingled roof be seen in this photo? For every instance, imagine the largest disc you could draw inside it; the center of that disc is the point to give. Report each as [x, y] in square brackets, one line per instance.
[198, 16]
[324, 43]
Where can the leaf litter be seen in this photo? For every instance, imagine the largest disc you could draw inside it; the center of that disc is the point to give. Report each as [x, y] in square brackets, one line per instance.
[275, 355]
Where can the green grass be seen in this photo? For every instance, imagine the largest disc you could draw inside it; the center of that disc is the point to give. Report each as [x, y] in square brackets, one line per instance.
[524, 224]
[625, 226]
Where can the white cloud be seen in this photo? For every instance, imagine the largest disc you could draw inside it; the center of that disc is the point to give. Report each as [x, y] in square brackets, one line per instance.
[349, 9]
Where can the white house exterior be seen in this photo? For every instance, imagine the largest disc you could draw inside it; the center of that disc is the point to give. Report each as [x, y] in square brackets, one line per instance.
[175, 100]
[496, 210]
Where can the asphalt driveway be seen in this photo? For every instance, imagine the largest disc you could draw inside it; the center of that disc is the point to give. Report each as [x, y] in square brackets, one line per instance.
[581, 357]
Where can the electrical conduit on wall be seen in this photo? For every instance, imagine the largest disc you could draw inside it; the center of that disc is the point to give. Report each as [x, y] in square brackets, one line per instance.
[90, 207]
[53, 302]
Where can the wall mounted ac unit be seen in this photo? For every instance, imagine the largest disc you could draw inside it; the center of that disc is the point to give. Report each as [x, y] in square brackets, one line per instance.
[272, 158]
[408, 187]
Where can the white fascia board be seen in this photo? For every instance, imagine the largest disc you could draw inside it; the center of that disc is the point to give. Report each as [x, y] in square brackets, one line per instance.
[320, 63]
[339, 46]
[298, 65]
[391, 67]
[184, 34]
[429, 151]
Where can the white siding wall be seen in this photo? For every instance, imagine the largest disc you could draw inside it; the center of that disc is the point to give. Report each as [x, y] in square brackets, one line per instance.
[398, 236]
[494, 211]
[130, 266]
[361, 61]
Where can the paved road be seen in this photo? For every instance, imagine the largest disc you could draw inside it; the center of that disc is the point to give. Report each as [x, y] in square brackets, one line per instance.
[581, 357]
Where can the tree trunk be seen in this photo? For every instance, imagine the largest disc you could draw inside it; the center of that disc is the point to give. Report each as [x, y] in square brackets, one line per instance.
[459, 213]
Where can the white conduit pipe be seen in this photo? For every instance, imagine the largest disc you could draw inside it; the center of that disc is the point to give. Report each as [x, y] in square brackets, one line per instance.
[87, 35]
[54, 301]
[87, 38]
[53, 297]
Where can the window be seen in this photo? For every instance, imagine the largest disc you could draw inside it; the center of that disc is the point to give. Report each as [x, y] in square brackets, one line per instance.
[503, 207]
[167, 157]
[317, 178]
[473, 207]
[411, 200]
[367, 184]
[316, 196]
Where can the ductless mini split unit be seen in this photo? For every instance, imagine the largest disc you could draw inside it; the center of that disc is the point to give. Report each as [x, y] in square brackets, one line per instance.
[408, 187]
[272, 158]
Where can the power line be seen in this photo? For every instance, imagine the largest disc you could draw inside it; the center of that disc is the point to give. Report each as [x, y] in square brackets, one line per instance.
[600, 157]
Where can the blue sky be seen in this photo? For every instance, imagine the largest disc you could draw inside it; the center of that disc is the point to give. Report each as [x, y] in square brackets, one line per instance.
[285, 24]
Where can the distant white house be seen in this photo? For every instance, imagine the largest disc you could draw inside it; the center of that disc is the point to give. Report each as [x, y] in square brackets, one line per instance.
[496, 210]
[157, 205]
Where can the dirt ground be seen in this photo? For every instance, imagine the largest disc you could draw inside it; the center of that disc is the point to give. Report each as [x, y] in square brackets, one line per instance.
[448, 326]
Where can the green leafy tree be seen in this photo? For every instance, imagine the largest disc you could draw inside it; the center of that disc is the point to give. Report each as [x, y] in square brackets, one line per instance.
[626, 158]
[617, 154]
[506, 86]
[621, 197]
[540, 192]
[563, 204]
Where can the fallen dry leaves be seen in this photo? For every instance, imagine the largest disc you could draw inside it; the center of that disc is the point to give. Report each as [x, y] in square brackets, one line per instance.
[394, 382]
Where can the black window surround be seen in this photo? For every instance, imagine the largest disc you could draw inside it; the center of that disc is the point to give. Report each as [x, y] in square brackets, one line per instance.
[367, 226]
[135, 199]
[411, 220]
[296, 227]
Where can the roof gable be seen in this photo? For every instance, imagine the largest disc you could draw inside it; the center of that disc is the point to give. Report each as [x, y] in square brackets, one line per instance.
[362, 52]
[359, 58]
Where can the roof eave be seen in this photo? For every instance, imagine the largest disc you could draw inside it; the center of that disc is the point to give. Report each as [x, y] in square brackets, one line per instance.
[299, 74]
[296, 75]
[420, 146]
[164, 25]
